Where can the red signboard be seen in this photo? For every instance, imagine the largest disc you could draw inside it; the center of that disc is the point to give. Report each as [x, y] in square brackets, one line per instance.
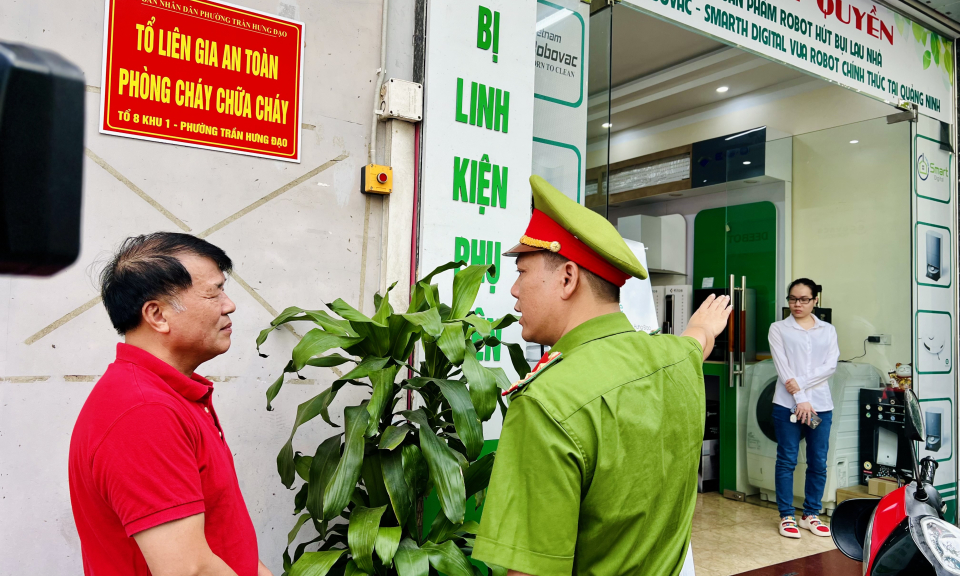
[202, 73]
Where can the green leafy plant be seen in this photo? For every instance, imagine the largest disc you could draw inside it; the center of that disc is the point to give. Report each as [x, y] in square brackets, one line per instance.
[377, 472]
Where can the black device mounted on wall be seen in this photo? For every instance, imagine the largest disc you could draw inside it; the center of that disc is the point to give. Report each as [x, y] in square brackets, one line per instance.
[728, 158]
[41, 160]
[884, 448]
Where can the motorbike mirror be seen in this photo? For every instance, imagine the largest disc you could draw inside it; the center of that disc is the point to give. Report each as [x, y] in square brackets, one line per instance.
[914, 418]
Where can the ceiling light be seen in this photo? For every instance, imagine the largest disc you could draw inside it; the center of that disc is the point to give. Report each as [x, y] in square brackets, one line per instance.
[723, 89]
[751, 181]
[746, 162]
[607, 125]
[854, 141]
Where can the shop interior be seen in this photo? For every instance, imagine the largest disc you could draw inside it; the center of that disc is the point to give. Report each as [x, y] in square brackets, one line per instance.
[739, 172]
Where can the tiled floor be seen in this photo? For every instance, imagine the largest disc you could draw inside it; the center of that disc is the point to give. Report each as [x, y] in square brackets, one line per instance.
[731, 537]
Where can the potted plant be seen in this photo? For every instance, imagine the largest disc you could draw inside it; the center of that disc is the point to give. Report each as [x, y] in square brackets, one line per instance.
[377, 472]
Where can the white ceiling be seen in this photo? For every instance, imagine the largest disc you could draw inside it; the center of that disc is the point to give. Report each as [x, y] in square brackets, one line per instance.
[662, 70]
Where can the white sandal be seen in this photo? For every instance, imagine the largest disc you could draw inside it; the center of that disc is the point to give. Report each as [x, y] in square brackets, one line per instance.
[788, 527]
[813, 524]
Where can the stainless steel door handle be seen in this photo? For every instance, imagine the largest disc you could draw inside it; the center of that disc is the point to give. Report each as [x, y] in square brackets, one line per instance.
[742, 343]
[731, 372]
[735, 332]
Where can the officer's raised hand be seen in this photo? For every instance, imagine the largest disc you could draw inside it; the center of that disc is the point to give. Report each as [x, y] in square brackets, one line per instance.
[709, 321]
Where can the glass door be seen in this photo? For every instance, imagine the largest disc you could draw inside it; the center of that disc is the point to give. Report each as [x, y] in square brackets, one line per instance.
[833, 206]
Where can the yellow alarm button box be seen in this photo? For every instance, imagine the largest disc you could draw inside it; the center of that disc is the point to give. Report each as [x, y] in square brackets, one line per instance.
[376, 179]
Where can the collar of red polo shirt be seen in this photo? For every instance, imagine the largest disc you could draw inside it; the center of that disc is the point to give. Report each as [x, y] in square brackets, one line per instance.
[544, 233]
[193, 388]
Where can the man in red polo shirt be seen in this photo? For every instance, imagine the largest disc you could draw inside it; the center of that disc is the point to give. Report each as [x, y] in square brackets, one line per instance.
[152, 481]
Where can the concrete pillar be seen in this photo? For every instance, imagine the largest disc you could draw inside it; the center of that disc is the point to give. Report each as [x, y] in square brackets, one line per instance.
[398, 207]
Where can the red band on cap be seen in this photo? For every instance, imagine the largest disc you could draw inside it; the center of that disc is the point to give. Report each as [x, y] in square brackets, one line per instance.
[545, 229]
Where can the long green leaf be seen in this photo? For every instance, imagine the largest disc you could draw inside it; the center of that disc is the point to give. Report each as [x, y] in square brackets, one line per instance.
[432, 294]
[403, 338]
[417, 382]
[518, 358]
[358, 498]
[442, 529]
[384, 309]
[302, 465]
[292, 535]
[384, 390]
[442, 268]
[320, 317]
[452, 343]
[496, 570]
[362, 535]
[483, 386]
[469, 527]
[338, 492]
[372, 476]
[411, 560]
[348, 312]
[321, 362]
[429, 320]
[416, 472]
[388, 540]
[376, 338]
[324, 464]
[465, 417]
[477, 476]
[448, 559]
[351, 569]
[392, 436]
[274, 388]
[367, 366]
[305, 412]
[301, 548]
[444, 468]
[316, 563]
[316, 342]
[424, 293]
[482, 325]
[398, 490]
[466, 285]
[328, 361]
[500, 376]
[300, 500]
[504, 321]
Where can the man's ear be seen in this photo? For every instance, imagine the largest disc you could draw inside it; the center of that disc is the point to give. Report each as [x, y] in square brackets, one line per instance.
[153, 315]
[571, 278]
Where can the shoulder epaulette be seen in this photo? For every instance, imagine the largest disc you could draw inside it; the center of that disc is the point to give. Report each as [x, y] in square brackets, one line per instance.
[549, 359]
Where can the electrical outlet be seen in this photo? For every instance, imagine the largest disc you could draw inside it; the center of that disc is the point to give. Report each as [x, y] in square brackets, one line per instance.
[882, 339]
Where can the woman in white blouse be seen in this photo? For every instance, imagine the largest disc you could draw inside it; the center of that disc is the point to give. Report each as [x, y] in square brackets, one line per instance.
[805, 353]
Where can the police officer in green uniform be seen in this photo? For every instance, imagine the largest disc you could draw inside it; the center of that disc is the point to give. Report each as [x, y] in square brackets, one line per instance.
[596, 470]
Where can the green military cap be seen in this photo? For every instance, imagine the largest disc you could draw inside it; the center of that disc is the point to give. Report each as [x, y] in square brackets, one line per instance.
[562, 226]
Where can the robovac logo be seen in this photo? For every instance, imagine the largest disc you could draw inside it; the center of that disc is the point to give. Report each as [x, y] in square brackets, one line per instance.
[923, 167]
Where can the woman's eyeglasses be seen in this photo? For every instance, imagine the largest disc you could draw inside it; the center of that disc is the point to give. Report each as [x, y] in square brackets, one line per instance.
[804, 300]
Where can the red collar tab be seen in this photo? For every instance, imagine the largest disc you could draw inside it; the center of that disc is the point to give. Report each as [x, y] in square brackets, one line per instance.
[544, 232]
[193, 388]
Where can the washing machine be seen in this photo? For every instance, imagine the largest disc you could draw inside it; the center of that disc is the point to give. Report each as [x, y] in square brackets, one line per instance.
[843, 456]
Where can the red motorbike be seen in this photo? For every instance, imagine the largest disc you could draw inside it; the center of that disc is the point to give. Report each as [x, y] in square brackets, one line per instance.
[904, 532]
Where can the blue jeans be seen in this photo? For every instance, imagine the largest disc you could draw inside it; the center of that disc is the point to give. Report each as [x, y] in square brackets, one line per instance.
[789, 435]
